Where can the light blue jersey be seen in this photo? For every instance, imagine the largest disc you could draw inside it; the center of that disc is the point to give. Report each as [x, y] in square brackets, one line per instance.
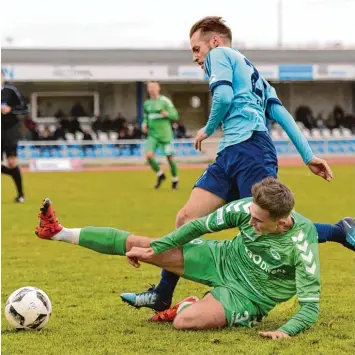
[251, 94]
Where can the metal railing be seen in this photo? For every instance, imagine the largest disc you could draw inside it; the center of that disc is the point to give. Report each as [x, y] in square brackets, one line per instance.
[133, 150]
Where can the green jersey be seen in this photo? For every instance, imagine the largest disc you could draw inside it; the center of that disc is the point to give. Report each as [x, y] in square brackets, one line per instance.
[271, 268]
[159, 127]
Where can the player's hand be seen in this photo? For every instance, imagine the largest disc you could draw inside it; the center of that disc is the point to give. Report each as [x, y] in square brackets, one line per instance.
[134, 262]
[274, 335]
[200, 136]
[164, 113]
[137, 253]
[144, 128]
[5, 109]
[321, 168]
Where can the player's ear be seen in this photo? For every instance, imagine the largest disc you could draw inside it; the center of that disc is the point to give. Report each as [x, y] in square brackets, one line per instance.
[282, 223]
[214, 41]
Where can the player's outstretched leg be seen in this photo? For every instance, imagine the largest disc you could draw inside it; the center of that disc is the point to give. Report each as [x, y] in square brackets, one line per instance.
[101, 239]
[342, 232]
[111, 241]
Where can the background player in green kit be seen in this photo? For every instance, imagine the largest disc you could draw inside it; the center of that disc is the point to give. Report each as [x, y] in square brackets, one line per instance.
[159, 111]
[274, 257]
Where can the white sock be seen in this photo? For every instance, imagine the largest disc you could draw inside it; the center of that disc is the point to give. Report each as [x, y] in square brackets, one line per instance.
[175, 179]
[160, 173]
[182, 306]
[69, 235]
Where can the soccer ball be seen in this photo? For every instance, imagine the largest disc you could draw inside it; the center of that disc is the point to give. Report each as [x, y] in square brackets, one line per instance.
[28, 308]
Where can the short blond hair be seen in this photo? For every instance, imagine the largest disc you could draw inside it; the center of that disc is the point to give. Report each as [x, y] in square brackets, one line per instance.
[273, 196]
[212, 24]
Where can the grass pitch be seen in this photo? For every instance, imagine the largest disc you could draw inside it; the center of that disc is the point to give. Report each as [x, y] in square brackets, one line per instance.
[88, 316]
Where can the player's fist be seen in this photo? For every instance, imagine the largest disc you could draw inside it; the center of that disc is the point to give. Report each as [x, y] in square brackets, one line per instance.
[164, 113]
[274, 335]
[5, 109]
[137, 253]
[134, 262]
[321, 168]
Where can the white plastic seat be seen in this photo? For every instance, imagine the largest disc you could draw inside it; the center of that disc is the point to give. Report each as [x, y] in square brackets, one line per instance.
[347, 132]
[79, 136]
[316, 133]
[113, 136]
[336, 133]
[102, 136]
[306, 133]
[70, 137]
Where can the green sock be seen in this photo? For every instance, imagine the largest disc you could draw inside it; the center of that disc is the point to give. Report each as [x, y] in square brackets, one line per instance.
[104, 240]
[173, 168]
[154, 164]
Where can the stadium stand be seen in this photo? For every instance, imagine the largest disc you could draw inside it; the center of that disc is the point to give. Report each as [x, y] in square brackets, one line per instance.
[107, 146]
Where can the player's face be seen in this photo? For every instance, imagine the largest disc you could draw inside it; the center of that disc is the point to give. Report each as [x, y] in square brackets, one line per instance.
[153, 90]
[261, 221]
[200, 46]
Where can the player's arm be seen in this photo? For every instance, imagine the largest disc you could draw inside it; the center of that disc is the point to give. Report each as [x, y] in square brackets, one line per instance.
[220, 72]
[13, 101]
[307, 283]
[279, 114]
[6, 100]
[16, 103]
[221, 101]
[145, 120]
[145, 115]
[172, 112]
[226, 217]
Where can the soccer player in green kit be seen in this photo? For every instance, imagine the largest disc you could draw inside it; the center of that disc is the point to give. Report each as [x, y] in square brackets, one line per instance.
[274, 257]
[159, 111]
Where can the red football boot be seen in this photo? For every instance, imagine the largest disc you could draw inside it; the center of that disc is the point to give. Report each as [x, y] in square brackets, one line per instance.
[169, 314]
[48, 224]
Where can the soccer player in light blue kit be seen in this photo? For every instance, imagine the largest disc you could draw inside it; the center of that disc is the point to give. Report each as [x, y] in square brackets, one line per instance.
[242, 101]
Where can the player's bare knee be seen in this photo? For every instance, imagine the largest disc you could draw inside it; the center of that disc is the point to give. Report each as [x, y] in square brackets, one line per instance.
[182, 217]
[181, 322]
[149, 155]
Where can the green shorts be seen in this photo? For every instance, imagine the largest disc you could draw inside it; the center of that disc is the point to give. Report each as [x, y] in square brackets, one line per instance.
[152, 144]
[239, 309]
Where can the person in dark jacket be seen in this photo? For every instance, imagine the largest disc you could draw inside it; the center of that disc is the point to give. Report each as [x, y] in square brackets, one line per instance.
[12, 105]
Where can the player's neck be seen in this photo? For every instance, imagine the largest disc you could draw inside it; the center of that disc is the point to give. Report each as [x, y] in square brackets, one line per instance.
[225, 44]
[288, 225]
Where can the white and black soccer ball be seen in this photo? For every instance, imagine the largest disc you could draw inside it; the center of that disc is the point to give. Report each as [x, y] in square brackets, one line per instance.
[28, 308]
